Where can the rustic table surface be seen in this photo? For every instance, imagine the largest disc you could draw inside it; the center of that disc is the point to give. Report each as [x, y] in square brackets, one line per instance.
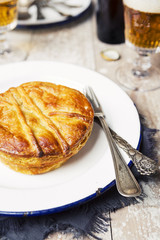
[77, 43]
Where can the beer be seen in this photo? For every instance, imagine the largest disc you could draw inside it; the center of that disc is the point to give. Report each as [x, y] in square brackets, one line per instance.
[142, 23]
[110, 21]
[8, 14]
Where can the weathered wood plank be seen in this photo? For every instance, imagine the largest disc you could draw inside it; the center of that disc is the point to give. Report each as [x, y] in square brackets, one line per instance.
[72, 44]
[140, 221]
[78, 44]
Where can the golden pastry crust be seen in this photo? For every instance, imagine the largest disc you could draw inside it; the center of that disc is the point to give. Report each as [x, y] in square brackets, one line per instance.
[42, 125]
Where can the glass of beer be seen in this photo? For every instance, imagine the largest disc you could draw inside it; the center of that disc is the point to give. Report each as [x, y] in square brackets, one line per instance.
[142, 33]
[8, 21]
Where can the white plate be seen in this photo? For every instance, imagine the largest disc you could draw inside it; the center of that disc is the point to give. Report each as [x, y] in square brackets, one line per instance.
[91, 169]
[51, 16]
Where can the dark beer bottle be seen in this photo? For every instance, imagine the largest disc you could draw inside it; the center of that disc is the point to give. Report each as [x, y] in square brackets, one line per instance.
[110, 21]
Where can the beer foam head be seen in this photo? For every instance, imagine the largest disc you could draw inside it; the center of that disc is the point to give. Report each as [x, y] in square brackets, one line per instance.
[150, 6]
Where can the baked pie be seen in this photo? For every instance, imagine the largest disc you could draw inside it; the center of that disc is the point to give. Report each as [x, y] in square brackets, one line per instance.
[42, 125]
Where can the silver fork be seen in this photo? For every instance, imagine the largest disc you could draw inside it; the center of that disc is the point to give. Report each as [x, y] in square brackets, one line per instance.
[126, 183]
[143, 164]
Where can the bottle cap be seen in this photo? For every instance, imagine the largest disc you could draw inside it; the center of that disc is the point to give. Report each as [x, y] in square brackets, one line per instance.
[110, 55]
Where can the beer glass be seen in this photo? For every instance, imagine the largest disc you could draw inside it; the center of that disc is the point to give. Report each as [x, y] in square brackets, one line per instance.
[142, 33]
[8, 21]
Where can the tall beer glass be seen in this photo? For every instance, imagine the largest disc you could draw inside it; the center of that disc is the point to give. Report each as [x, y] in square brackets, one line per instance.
[8, 21]
[142, 33]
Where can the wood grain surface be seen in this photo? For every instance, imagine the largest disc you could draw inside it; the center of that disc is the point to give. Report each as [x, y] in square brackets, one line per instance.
[77, 43]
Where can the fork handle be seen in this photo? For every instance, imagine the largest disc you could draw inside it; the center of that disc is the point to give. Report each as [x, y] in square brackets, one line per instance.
[143, 164]
[126, 183]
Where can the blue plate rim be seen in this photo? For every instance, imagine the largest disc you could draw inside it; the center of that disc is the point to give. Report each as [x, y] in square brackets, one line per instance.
[72, 204]
[57, 23]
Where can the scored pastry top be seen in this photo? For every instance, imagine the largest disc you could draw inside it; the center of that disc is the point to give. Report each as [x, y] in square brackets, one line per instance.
[41, 118]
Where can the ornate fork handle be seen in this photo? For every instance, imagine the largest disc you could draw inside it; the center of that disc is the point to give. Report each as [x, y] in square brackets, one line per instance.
[143, 164]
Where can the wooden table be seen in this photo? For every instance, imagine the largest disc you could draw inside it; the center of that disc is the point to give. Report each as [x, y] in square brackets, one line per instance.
[77, 43]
